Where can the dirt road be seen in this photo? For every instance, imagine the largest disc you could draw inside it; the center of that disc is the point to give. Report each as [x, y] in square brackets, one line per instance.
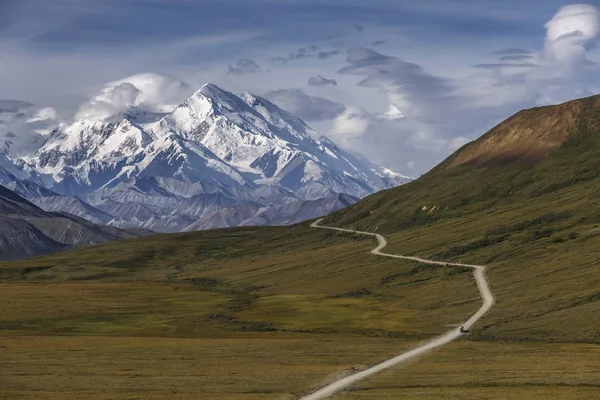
[484, 290]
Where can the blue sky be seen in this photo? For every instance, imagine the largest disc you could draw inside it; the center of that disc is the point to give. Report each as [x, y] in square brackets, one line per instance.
[413, 79]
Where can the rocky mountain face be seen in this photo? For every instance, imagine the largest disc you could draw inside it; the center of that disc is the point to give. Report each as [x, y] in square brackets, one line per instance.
[216, 160]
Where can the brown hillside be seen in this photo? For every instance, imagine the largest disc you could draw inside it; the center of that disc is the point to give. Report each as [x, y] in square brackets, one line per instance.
[526, 137]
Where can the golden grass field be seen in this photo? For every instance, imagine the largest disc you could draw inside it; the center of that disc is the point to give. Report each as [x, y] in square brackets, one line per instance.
[476, 370]
[280, 366]
[259, 366]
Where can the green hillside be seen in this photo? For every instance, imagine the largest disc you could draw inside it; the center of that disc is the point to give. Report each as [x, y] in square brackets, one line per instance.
[535, 222]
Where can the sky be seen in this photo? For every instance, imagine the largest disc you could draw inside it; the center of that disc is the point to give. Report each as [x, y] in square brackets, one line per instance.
[403, 83]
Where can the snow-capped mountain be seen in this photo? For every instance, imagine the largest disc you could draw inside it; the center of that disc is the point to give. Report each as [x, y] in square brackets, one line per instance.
[270, 145]
[221, 157]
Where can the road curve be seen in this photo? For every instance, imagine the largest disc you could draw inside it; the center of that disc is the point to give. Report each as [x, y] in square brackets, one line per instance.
[484, 290]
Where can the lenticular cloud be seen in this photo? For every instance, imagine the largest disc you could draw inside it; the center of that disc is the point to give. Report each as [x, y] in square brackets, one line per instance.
[572, 31]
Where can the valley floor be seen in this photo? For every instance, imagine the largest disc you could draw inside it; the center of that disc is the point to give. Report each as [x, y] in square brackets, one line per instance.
[279, 366]
[234, 314]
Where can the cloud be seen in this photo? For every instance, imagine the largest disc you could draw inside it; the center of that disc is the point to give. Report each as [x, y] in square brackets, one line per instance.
[517, 57]
[359, 28]
[24, 127]
[560, 71]
[390, 141]
[411, 89]
[326, 54]
[310, 108]
[311, 51]
[426, 140]
[153, 92]
[379, 43]
[427, 114]
[321, 81]
[349, 128]
[244, 66]
[497, 65]
[511, 51]
[572, 32]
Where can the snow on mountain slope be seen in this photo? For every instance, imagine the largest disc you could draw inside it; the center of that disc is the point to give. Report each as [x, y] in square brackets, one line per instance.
[133, 159]
[88, 155]
[71, 145]
[85, 155]
[270, 144]
[172, 156]
[213, 136]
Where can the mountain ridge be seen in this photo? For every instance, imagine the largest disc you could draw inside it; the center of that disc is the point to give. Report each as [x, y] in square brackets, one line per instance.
[26, 230]
[527, 137]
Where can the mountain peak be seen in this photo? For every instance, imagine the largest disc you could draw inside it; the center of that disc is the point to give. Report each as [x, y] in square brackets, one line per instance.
[217, 95]
[210, 98]
[210, 89]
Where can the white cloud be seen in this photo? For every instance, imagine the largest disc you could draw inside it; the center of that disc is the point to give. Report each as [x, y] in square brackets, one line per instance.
[153, 92]
[307, 107]
[558, 72]
[24, 127]
[571, 32]
[156, 89]
[349, 128]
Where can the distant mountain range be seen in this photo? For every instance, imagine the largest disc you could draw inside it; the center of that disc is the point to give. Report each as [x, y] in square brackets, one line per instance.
[216, 160]
[26, 230]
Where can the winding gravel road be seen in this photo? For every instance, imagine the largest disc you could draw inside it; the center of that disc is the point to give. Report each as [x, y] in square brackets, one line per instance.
[484, 290]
